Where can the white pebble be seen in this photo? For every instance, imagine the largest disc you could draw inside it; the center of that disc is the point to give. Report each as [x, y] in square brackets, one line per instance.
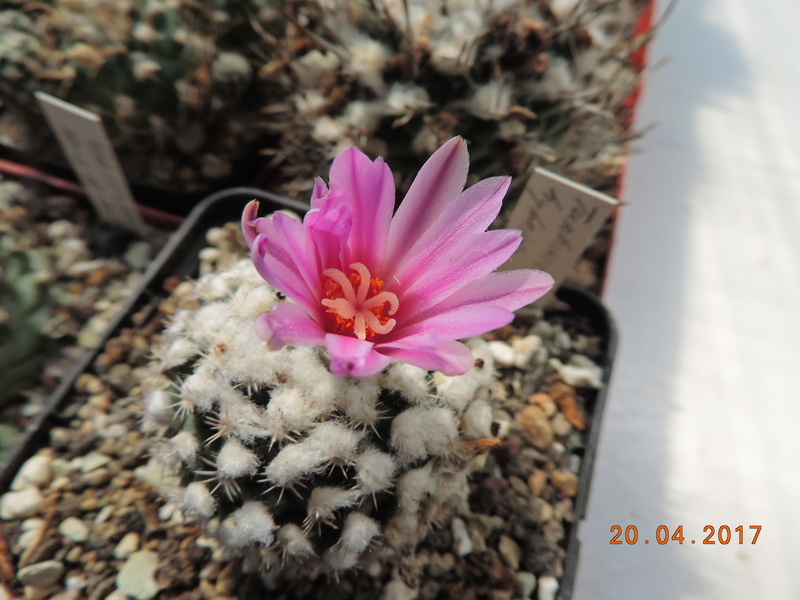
[527, 583]
[104, 515]
[127, 546]
[510, 551]
[397, 590]
[31, 528]
[502, 353]
[74, 529]
[137, 576]
[21, 504]
[462, 545]
[579, 371]
[35, 472]
[548, 586]
[94, 460]
[41, 575]
[524, 349]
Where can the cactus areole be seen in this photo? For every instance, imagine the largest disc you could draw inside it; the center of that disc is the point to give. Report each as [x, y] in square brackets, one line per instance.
[375, 287]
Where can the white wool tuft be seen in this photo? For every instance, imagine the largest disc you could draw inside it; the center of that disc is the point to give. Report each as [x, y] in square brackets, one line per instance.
[491, 101]
[292, 409]
[358, 531]
[179, 352]
[339, 559]
[185, 447]
[367, 59]
[328, 443]
[196, 500]
[252, 523]
[414, 486]
[248, 302]
[234, 460]
[244, 419]
[423, 431]
[458, 391]
[360, 403]
[324, 501]
[158, 405]
[375, 470]
[201, 388]
[408, 380]
[294, 541]
[478, 420]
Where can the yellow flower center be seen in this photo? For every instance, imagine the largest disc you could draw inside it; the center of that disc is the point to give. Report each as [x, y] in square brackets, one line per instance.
[357, 303]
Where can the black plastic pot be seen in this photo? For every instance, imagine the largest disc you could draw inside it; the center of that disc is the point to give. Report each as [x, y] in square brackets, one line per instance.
[180, 258]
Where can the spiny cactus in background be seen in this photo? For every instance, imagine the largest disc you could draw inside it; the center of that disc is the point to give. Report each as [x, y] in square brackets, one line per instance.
[531, 82]
[300, 470]
[168, 77]
[27, 304]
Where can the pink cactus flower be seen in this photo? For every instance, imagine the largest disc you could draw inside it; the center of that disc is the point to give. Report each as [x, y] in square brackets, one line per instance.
[373, 287]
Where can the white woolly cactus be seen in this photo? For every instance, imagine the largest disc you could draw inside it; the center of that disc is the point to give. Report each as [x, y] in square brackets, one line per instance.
[335, 420]
[314, 468]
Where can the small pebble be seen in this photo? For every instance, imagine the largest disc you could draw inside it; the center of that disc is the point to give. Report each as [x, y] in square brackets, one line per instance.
[545, 401]
[127, 546]
[74, 529]
[527, 583]
[536, 427]
[462, 545]
[565, 482]
[536, 482]
[94, 460]
[138, 255]
[137, 576]
[31, 528]
[35, 472]
[104, 515]
[502, 353]
[524, 348]
[397, 590]
[41, 575]
[20, 504]
[579, 371]
[510, 551]
[439, 564]
[548, 586]
[561, 427]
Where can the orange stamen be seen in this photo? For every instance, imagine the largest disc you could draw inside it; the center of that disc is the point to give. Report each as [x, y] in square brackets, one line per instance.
[358, 304]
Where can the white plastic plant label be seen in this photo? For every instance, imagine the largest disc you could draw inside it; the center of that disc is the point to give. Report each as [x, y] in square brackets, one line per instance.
[85, 143]
[558, 219]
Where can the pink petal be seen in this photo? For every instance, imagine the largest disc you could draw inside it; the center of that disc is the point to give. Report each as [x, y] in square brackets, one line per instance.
[278, 268]
[288, 323]
[328, 225]
[481, 306]
[319, 192]
[470, 213]
[449, 357]
[508, 289]
[433, 277]
[249, 217]
[461, 322]
[351, 357]
[439, 181]
[369, 188]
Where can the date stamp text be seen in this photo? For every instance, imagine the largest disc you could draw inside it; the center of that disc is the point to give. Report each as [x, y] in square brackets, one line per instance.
[722, 534]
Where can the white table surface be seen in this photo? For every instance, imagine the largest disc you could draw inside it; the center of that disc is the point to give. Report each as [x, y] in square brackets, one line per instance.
[703, 421]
